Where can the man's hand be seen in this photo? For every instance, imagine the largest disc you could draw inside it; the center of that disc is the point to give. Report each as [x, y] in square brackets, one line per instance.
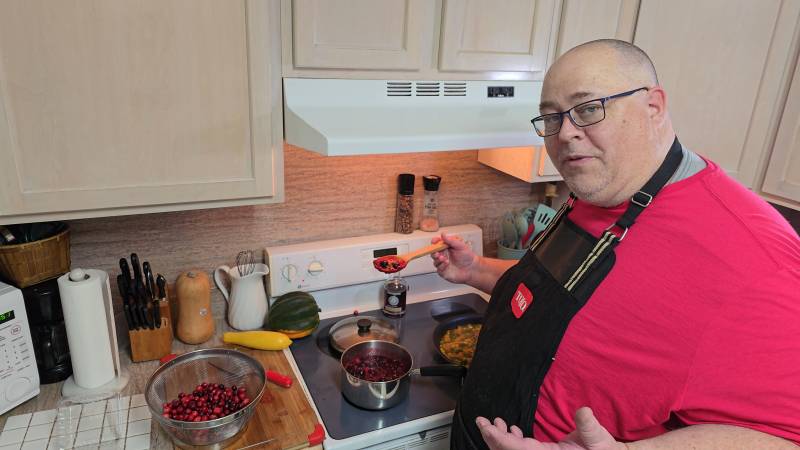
[456, 263]
[459, 264]
[588, 435]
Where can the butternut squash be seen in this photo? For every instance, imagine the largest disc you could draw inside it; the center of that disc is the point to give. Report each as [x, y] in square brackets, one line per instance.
[193, 291]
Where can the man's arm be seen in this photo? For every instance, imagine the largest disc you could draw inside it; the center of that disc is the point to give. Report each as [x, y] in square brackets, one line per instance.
[713, 437]
[489, 272]
[590, 435]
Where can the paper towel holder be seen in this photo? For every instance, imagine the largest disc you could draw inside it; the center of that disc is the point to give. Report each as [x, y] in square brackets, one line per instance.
[70, 388]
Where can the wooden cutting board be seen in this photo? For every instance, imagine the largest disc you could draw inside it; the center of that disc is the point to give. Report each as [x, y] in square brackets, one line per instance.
[283, 413]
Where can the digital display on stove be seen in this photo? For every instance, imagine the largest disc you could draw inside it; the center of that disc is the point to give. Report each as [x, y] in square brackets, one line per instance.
[384, 252]
[7, 316]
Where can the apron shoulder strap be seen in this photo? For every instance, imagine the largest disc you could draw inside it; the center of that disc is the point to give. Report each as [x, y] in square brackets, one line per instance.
[642, 198]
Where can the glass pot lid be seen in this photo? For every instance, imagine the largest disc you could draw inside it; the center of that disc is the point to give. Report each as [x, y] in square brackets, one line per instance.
[353, 330]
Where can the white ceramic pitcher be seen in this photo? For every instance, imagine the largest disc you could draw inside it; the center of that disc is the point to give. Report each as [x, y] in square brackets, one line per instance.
[247, 301]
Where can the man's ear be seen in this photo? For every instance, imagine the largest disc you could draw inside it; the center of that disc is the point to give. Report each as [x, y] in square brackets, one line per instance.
[657, 104]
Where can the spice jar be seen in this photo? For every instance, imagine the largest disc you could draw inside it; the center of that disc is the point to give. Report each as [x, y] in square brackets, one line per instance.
[394, 296]
[404, 219]
[430, 203]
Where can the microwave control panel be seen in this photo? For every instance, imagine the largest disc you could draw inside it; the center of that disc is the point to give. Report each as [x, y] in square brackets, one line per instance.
[19, 377]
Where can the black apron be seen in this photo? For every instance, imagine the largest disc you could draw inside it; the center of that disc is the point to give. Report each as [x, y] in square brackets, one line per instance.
[530, 308]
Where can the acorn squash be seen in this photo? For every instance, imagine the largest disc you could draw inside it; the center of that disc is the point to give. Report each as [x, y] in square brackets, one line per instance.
[294, 314]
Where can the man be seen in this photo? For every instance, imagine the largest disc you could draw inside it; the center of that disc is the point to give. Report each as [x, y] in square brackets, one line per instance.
[659, 310]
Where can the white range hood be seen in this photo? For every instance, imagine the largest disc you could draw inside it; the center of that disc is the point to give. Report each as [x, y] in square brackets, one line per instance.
[355, 117]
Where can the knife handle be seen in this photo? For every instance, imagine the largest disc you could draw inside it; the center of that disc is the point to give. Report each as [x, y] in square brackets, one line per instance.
[137, 269]
[279, 379]
[122, 284]
[126, 270]
[148, 316]
[149, 284]
[157, 312]
[161, 282]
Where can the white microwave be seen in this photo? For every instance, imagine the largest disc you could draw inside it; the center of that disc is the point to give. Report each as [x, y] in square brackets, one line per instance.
[19, 377]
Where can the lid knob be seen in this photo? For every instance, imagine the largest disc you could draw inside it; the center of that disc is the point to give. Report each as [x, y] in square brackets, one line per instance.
[363, 326]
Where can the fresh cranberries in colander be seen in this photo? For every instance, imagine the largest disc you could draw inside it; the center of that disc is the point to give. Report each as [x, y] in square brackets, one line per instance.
[372, 367]
[208, 401]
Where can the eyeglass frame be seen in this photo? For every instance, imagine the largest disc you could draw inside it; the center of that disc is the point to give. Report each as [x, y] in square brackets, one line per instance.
[568, 112]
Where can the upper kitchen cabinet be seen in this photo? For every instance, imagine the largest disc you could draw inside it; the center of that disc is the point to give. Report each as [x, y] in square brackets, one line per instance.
[587, 20]
[419, 39]
[725, 66]
[486, 35]
[111, 107]
[360, 34]
[782, 177]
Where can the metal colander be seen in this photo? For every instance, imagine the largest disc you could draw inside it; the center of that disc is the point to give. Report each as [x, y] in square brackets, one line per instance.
[184, 373]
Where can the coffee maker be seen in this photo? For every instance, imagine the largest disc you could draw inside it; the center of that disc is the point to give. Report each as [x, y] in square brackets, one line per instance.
[48, 331]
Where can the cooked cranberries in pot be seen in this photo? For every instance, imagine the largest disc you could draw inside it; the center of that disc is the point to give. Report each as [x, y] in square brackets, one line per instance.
[208, 401]
[374, 367]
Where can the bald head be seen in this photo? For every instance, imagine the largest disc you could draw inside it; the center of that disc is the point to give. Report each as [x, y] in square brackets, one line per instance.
[620, 58]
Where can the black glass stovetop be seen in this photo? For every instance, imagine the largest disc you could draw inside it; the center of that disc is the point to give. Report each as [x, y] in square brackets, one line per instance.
[320, 369]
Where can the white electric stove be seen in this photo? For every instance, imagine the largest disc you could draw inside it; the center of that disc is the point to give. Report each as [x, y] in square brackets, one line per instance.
[340, 276]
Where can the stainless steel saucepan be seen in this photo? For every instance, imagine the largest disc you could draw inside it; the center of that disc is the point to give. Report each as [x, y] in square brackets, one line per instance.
[395, 358]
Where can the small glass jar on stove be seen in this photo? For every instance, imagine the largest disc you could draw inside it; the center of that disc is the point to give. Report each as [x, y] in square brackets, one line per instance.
[394, 296]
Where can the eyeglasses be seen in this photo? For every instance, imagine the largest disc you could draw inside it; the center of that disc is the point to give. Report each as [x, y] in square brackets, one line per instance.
[581, 115]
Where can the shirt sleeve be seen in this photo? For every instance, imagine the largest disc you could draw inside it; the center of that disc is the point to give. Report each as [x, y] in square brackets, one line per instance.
[746, 371]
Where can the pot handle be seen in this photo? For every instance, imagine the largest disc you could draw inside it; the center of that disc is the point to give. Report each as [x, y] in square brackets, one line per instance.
[218, 280]
[450, 370]
[381, 392]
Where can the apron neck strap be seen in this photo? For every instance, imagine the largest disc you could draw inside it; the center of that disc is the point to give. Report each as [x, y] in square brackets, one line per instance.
[644, 196]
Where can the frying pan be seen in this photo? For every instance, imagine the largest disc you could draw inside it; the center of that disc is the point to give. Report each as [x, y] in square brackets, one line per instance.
[450, 323]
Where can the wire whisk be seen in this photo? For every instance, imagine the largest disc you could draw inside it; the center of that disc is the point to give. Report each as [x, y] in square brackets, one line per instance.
[245, 263]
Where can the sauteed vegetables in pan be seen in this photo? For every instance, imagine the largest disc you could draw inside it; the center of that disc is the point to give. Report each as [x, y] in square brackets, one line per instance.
[458, 344]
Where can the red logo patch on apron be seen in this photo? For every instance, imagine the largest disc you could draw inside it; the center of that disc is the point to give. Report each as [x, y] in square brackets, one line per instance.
[521, 300]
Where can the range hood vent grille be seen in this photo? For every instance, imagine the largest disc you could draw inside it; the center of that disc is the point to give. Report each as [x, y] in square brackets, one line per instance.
[426, 89]
[455, 88]
[398, 89]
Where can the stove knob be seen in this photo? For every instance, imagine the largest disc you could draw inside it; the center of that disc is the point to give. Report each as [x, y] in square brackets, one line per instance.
[289, 272]
[315, 268]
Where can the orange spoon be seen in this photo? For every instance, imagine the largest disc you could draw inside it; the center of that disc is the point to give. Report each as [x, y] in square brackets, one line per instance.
[394, 263]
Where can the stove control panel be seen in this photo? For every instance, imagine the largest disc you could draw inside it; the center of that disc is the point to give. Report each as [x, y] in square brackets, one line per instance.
[319, 265]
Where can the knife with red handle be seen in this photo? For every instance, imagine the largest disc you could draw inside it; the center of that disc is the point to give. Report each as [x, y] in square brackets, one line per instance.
[278, 378]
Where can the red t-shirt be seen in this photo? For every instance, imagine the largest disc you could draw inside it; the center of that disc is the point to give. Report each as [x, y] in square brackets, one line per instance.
[698, 321]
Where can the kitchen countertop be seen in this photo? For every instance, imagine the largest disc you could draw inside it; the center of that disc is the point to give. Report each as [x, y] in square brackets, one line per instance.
[50, 394]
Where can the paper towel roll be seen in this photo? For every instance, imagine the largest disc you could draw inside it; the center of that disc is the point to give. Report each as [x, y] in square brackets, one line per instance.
[87, 329]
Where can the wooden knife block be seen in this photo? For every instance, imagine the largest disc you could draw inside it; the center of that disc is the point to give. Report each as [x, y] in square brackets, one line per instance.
[147, 344]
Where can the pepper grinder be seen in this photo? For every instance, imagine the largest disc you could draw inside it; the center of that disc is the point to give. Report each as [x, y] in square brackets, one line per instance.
[404, 219]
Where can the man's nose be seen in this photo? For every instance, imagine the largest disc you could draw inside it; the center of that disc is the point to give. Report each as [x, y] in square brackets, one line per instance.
[568, 128]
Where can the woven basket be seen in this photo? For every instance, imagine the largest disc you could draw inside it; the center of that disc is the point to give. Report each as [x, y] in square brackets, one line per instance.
[32, 262]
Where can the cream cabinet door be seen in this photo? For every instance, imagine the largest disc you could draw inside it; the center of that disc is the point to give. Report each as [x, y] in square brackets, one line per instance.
[360, 34]
[721, 63]
[587, 20]
[490, 35]
[783, 172]
[114, 106]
